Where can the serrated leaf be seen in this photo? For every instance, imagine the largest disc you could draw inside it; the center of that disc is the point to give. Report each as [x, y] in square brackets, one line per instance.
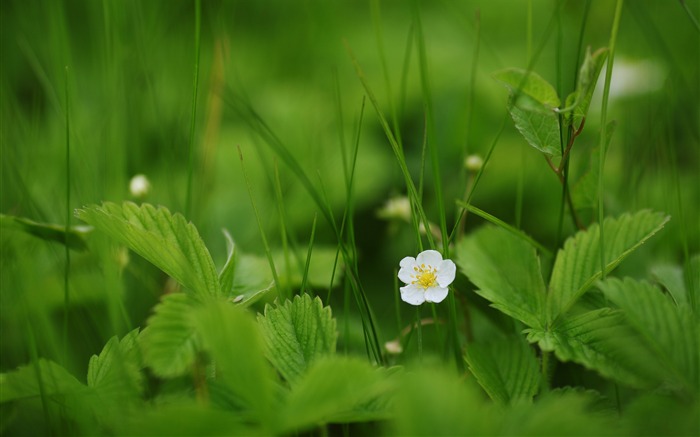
[601, 340]
[297, 333]
[506, 271]
[235, 344]
[116, 371]
[74, 239]
[507, 369]
[166, 240]
[577, 265]
[333, 389]
[170, 342]
[42, 378]
[670, 332]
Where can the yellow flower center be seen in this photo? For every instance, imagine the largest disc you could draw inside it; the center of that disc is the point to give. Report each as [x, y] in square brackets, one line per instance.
[425, 276]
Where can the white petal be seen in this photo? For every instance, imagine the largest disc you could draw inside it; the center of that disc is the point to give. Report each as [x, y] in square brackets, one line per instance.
[429, 258]
[435, 294]
[446, 273]
[412, 294]
[407, 264]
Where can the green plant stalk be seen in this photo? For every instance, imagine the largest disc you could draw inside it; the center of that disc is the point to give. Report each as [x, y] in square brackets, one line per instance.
[308, 255]
[263, 130]
[377, 24]
[268, 252]
[395, 146]
[193, 115]
[521, 171]
[283, 229]
[430, 136]
[603, 133]
[66, 272]
[419, 334]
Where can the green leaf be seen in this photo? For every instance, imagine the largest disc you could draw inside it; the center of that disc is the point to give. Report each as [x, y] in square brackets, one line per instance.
[536, 123]
[185, 418]
[170, 341]
[227, 273]
[508, 369]
[166, 240]
[252, 280]
[670, 332]
[334, 388]
[520, 81]
[601, 340]
[117, 369]
[438, 402]
[75, 237]
[235, 345]
[557, 414]
[297, 333]
[531, 105]
[671, 278]
[506, 271]
[577, 265]
[580, 100]
[42, 378]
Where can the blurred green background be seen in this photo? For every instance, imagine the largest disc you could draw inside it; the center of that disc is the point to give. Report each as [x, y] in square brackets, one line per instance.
[122, 73]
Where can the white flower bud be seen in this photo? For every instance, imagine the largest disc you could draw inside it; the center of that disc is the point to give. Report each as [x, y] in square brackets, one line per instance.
[473, 163]
[396, 208]
[139, 186]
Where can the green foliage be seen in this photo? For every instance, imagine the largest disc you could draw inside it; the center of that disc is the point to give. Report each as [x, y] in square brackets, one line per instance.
[531, 105]
[166, 240]
[297, 333]
[515, 288]
[669, 332]
[577, 265]
[577, 102]
[336, 389]
[118, 367]
[170, 342]
[507, 369]
[224, 328]
[75, 238]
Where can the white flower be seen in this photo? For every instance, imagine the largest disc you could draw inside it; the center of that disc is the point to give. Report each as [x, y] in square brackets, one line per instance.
[139, 186]
[426, 276]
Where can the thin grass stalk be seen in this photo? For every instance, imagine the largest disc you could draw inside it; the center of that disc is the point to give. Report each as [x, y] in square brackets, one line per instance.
[193, 115]
[437, 180]
[268, 252]
[603, 131]
[308, 256]
[283, 230]
[66, 271]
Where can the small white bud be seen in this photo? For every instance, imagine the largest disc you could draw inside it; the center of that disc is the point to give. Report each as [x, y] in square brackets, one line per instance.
[393, 347]
[139, 186]
[473, 163]
[396, 208]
